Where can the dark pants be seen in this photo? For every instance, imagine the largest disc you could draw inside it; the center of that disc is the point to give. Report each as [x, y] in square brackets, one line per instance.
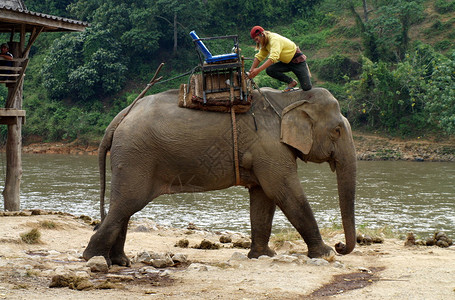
[300, 70]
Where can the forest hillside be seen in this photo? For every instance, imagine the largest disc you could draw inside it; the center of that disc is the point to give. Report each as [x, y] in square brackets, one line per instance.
[391, 64]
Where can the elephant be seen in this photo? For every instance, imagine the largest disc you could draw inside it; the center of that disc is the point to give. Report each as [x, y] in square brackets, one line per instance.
[157, 147]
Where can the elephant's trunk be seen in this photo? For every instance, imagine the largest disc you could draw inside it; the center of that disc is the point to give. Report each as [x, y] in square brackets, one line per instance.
[346, 177]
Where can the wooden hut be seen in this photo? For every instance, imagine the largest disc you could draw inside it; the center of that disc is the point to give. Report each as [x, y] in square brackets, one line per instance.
[23, 27]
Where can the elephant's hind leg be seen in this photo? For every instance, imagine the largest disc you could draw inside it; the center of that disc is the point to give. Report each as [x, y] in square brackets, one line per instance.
[117, 253]
[262, 210]
[101, 242]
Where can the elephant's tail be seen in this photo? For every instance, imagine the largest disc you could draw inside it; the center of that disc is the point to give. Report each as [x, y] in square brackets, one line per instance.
[104, 147]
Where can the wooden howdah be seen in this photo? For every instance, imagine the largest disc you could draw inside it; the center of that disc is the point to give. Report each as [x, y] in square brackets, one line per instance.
[219, 99]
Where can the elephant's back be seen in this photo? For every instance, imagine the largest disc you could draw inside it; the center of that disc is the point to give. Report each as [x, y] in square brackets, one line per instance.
[158, 118]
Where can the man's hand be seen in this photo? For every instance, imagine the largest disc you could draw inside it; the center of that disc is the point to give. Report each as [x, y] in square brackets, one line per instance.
[253, 73]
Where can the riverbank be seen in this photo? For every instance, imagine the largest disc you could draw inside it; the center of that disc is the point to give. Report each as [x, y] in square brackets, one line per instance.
[368, 147]
[53, 269]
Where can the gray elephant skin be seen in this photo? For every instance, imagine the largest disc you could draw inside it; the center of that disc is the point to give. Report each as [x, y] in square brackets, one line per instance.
[159, 148]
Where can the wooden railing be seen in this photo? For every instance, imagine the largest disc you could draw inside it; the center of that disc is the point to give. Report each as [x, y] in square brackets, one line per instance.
[10, 74]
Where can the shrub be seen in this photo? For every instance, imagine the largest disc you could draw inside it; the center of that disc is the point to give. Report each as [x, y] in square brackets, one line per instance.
[443, 45]
[444, 6]
[31, 237]
[312, 41]
[336, 67]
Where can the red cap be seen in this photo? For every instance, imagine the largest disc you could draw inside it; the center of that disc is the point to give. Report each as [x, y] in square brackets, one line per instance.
[255, 31]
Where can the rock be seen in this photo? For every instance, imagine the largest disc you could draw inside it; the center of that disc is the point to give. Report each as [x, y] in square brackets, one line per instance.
[197, 267]
[442, 244]
[82, 274]
[440, 236]
[98, 264]
[265, 258]
[84, 285]
[207, 245]
[183, 243]
[378, 240]
[86, 219]
[119, 278]
[157, 260]
[149, 270]
[287, 246]
[430, 241]
[242, 243]
[283, 258]
[162, 263]
[106, 285]
[421, 243]
[37, 212]
[410, 239]
[161, 260]
[59, 281]
[73, 282]
[179, 257]
[144, 257]
[191, 226]
[317, 262]
[224, 239]
[238, 256]
[141, 228]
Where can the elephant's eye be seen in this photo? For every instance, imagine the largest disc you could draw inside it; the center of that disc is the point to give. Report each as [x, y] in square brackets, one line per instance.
[336, 133]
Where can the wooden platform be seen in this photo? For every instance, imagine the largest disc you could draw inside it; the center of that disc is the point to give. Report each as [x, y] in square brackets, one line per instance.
[9, 115]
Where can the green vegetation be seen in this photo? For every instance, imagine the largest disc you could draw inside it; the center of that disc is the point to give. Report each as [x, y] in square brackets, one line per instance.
[48, 225]
[31, 237]
[391, 66]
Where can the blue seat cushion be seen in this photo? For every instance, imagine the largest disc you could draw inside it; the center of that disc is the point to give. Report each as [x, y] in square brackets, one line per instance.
[222, 57]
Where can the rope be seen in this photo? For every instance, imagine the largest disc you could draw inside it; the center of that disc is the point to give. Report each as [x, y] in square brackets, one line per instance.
[265, 98]
[236, 147]
[178, 76]
[234, 133]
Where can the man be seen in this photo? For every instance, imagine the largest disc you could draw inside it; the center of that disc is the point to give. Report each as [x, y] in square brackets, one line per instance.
[5, 60]
[282, 56]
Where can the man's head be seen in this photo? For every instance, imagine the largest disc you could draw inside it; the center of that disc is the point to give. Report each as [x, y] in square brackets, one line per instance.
[255, 31]
[4, 47]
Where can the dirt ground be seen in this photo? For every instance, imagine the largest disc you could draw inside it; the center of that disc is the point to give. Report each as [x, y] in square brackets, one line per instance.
[388, 270]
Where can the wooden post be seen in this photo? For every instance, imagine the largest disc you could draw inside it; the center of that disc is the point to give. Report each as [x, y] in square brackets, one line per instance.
[11, 192]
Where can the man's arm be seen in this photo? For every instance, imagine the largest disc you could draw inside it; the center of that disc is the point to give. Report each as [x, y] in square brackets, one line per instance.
[254, 71]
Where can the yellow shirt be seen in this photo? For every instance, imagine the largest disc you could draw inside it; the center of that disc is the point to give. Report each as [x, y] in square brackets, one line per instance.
[277, 49]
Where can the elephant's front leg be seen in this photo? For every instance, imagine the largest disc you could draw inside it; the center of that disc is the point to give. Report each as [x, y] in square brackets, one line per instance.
[295, 206]
[262, 210]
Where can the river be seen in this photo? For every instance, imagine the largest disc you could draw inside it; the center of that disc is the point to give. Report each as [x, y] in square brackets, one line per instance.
[402, 195]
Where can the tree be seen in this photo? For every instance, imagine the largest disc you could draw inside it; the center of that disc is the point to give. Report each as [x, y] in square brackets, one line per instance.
[392, 27]
[386, 37]
[84, 66]
[180, 18]
[368, 38]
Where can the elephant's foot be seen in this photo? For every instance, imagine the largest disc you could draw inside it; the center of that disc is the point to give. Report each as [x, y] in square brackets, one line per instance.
[255, 252]
[120, 260]
[89, 254]
[323, 251]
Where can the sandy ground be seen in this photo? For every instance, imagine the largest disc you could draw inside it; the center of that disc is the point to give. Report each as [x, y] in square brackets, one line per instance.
[387, 270]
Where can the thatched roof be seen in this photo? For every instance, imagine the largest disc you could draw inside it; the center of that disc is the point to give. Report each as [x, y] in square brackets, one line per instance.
[14, 14]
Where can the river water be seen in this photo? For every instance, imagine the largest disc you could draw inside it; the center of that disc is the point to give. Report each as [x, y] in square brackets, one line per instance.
[404, 196]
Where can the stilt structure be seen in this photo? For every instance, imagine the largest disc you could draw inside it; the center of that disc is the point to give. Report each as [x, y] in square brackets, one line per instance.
[20, 23]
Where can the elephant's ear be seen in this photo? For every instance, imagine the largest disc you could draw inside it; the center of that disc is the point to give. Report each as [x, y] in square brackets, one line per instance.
[297, 127]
